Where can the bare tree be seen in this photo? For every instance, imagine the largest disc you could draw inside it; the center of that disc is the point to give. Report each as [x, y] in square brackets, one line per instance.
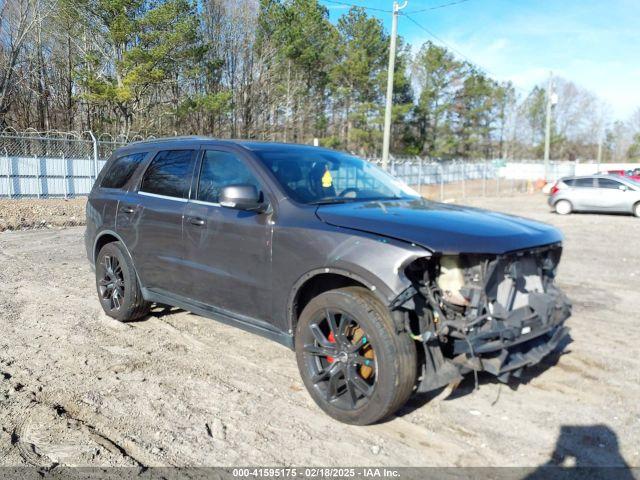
[17, 20]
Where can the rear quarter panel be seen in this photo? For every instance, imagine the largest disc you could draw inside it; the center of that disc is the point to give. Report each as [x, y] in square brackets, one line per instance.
[102, 204]
[102, 207]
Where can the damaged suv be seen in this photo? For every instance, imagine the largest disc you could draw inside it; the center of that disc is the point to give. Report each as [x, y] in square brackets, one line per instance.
[380, 292]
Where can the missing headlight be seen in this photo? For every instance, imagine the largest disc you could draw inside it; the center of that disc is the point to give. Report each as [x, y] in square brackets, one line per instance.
[451, 280]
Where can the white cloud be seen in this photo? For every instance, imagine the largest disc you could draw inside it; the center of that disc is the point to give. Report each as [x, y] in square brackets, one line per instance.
[526, 64]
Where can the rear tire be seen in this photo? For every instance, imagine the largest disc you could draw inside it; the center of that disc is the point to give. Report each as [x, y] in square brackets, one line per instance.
[636, 209]
[563, 207]
[117, 284]
[352, 360]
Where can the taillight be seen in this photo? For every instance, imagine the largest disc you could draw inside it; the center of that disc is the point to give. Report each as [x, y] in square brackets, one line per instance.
[555, 189]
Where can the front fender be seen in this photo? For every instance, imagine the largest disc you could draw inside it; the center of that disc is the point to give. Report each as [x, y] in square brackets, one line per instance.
[377, 263]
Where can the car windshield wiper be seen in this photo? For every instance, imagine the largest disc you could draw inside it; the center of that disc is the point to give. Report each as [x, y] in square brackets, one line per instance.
[329, 201]
[336, 200]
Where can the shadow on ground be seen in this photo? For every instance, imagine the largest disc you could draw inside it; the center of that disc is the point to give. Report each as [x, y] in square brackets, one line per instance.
[585, 452]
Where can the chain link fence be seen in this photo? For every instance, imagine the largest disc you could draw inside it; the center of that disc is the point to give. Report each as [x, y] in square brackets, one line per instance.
[452, 180]
[455, 179]
[65, 164]
[53, 164]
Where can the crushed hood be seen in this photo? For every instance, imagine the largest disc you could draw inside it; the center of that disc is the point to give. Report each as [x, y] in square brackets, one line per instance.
[441, 227]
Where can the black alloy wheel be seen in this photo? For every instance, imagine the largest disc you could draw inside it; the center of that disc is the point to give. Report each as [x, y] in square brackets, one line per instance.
[112, 284]
[341, 359]
[117, 284]
[354, 361]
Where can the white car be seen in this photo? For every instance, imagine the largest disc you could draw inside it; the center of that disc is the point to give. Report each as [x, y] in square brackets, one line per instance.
[595, 193]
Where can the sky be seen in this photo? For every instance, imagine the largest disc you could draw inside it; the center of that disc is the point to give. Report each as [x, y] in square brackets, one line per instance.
[595, 44]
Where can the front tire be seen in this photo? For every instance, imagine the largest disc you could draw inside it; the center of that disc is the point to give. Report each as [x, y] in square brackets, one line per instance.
[352, 360]
[563, 207]
[117, 284]
[636, 209]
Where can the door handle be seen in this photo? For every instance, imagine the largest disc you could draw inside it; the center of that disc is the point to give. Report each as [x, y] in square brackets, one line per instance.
[197, 221]
[127, 209]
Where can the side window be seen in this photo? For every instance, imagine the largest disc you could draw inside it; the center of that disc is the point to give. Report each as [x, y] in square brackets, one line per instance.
[606, 183]
[221, 169]
[583, 182]
[169, 174]
[121, 170]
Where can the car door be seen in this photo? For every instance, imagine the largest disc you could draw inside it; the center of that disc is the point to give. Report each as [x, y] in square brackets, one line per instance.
[582, 193]
[228, 250]
[612, 195]
[150, 220]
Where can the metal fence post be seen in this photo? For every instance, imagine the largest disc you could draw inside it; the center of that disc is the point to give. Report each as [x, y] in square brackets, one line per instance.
[64, 176]
[95, 155]
[9, 173]
[419, 174]
[441, 169]
[464, 182]
[484, 179]
[38, 175]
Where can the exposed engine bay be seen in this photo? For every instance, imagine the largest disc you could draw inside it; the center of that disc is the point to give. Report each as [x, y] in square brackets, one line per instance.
[493, 313]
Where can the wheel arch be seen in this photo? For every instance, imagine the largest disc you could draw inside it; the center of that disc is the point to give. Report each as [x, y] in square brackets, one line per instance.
[320, 280]
[105, 237]
[563, 199]
[109, 236]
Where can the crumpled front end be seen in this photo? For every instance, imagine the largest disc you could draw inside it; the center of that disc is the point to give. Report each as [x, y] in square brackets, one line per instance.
[492, 313]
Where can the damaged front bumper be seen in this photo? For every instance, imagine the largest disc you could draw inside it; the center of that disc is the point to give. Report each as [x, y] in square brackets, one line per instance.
[513, 359]
[513, 343]
[512, 317]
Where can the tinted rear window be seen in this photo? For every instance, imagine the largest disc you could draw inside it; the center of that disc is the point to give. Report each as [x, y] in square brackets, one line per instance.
[580, 182]
[121, 170]
[169, 174]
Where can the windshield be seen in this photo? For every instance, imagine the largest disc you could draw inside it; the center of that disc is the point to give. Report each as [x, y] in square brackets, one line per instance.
[312, 176]
[634, 183]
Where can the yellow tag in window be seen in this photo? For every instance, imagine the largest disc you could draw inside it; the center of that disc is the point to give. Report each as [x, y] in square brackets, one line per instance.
[327, 181]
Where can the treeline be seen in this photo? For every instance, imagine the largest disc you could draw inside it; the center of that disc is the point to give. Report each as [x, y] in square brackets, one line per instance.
[276, 70]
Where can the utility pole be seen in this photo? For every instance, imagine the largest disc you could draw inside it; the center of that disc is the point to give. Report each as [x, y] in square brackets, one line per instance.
[386, 139]
[552, 99]
[600, 151]
[601, 135]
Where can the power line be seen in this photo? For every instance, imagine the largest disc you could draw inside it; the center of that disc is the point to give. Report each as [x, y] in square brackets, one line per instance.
[477, 65]
[336, 2]
[439, 39]
[435, 7]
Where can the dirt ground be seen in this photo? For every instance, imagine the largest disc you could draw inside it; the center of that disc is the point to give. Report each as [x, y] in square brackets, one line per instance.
[78, 388]
[28, 213]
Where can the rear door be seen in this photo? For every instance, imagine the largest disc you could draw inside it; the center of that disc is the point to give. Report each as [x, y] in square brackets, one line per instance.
[582, 195]
[150, 220]
[228, 250]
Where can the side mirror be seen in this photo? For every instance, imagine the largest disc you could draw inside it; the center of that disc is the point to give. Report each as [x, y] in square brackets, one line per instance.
[241, 197]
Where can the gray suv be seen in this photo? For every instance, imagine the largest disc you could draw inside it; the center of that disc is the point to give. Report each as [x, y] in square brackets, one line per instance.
[380, 292]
